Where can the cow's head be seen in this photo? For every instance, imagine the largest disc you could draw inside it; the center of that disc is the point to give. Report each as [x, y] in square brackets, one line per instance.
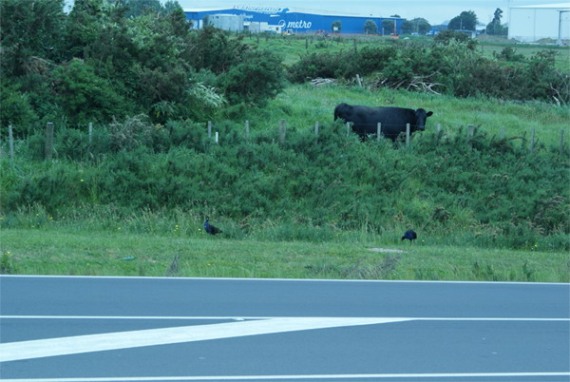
[421, 118]
[342, 111]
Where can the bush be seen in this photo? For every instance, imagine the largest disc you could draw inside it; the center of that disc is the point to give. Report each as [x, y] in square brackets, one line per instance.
[451, 65]
[254, 80]
[16, 110]
[486, 191]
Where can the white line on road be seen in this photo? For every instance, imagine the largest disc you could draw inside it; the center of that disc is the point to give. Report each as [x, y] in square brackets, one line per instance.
[288, 280]
[241, 318]
[14, 351]
[415, 376]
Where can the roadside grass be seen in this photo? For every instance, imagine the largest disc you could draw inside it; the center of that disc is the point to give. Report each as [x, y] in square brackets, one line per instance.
[103, 253]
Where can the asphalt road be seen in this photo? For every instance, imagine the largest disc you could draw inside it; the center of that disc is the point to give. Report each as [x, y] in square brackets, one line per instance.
[147, 329]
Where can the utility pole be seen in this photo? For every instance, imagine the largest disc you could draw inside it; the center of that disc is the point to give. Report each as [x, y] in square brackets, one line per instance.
[560, 25]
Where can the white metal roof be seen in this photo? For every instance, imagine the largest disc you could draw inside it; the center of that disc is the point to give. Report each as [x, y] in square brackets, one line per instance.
[559, 6]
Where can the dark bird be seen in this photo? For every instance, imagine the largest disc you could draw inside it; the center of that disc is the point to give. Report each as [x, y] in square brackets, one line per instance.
[410, 235]
[210, 228]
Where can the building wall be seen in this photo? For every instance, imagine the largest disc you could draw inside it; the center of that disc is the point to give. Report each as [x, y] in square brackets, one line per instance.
[529, 24]
[296, 22]
[233, 23]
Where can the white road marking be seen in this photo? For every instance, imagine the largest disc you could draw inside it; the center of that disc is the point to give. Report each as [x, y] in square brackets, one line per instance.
[291, 280]
[415, 376]
[239, 327]
[14, 351]
[241, 318]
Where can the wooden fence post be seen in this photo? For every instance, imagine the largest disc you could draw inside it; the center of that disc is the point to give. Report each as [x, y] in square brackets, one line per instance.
[407, 134]
[379, 131]
[359, 80]
[317, 128]
[282, 131]
[209, 129]
[217, 138]
[348, 125]
[49, 141]
[247, 129]
[11, 142]
[438, 133]
[90, 133]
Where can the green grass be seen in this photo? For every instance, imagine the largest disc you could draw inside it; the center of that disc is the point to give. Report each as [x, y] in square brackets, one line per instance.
[301, 106]
[107, 242]
[105, 253]
[291, 48]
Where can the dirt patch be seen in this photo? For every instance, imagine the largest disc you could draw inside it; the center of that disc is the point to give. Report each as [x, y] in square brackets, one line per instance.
[386, 250]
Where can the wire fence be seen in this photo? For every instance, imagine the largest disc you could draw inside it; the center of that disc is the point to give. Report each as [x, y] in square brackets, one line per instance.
[215, 137]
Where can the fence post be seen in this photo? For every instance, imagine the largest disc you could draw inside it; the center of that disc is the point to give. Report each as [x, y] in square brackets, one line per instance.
[317, 128]
[217, 138]
[247, 129]
[359, 80]
[209, 129]
[282, 131]
[532, 137]
[379, 131]
[11, 142]
[49, 141]
[90, 133]
[438, 133]
[407, 134]
[348, 125]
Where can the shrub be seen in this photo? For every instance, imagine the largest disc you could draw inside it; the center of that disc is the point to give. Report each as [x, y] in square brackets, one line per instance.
[451, 65]
[254, 80]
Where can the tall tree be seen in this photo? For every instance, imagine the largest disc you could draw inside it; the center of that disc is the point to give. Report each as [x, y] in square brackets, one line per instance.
[85, 24]
[137, 8]
[388, 26]
[29, 29]
[495, 27]
[370, 27]
[467, 20]
[417, 25]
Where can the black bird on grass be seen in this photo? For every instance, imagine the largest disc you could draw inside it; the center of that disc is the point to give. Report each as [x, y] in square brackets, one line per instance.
[410, 235]
[210, 228]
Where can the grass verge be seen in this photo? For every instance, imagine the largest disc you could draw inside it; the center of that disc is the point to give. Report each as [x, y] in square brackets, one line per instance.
[67, 252]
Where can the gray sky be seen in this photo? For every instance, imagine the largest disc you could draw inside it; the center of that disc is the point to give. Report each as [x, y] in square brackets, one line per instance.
[435, 12]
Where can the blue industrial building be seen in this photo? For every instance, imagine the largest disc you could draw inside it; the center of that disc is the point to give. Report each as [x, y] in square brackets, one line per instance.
[285, 21]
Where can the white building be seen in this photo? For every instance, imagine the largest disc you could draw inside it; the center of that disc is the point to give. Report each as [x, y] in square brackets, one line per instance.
[233, 23]
[533, 23]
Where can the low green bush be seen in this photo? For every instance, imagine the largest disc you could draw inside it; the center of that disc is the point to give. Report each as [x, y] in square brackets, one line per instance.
[312, 187]
[447, 66]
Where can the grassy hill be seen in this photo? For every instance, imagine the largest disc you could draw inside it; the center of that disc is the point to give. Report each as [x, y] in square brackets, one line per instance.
[487, 206]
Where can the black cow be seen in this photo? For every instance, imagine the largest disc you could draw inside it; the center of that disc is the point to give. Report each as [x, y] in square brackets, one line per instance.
[365, 119]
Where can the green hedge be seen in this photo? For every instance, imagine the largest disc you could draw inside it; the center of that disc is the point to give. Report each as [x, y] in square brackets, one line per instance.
[453, 68]
[443, 184]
